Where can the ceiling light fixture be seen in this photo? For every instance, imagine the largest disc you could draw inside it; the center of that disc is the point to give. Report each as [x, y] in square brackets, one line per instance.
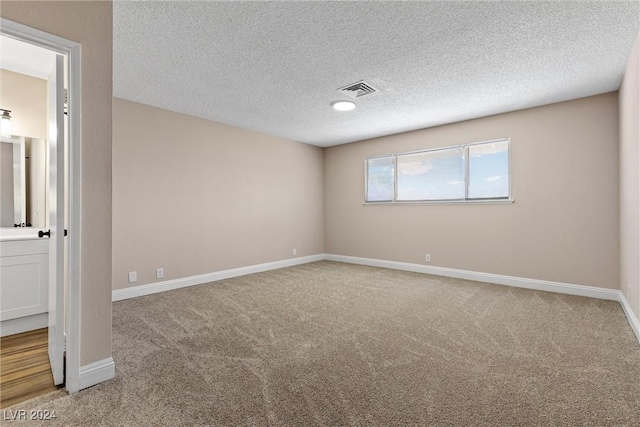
[343, 105]
[5, 125]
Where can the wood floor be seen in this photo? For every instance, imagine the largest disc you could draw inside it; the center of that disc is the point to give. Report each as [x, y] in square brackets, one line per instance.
[24, 367]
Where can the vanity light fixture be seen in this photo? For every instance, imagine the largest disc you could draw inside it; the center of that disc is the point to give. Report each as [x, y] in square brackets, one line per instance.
[343, 105]
[5, 125]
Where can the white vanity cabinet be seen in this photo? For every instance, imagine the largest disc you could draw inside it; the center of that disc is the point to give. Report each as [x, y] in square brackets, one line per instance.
[24, 284]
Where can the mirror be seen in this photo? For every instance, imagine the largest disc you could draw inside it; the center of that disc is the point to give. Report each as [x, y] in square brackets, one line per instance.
[23, 182]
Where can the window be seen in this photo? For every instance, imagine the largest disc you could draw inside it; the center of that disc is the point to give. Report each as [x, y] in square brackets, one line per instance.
[431, 175]
[472, 172]
[489, 170]
[380, 185]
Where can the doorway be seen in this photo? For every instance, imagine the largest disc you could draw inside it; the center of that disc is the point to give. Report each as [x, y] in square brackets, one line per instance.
[32, 261]
[62, 225]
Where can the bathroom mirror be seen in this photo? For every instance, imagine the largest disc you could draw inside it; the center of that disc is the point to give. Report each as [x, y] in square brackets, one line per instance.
[23, 182]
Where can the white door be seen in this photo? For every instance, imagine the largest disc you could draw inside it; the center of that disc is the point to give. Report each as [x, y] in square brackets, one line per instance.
[55, 203]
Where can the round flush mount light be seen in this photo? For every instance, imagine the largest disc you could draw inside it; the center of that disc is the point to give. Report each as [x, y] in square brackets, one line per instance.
[343, 105]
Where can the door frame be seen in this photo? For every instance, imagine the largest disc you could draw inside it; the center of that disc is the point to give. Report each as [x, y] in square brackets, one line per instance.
[72, 304]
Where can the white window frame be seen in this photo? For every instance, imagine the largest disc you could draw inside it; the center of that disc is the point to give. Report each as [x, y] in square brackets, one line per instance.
[466, 200]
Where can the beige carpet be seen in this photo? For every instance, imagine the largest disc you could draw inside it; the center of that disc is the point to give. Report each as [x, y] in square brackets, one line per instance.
[338, 344]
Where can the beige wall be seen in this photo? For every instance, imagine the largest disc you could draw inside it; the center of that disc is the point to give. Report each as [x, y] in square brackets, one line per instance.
[90, 24]
[562, 227]
[26, 97]
[193, 196]
[629, 100]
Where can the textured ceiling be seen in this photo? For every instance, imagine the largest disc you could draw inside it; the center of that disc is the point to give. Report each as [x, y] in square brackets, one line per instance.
[275, 67]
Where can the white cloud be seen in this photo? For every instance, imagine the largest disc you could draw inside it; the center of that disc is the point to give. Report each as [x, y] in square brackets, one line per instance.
[414, 168]
[495, 178]
[456, 182]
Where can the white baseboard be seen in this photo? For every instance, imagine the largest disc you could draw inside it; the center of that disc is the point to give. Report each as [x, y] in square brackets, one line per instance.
[97, 372]
[498, 279]
[168, 285]
[24, 324]
[631, 317]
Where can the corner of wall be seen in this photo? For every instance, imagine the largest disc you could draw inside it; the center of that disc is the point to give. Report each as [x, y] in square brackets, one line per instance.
[629, 176]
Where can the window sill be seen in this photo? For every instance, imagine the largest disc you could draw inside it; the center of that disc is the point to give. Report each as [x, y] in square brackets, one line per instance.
[446, 202]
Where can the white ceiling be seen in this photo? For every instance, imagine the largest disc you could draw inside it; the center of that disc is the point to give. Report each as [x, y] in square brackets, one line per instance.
[25, 58]
[275, 67]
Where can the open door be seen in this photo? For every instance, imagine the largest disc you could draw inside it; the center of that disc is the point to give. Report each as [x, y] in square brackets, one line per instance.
[55, 201]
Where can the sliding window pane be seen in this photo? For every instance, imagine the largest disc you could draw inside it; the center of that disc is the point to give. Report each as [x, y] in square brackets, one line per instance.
[431, 175]
[489, 170]
[380, 179]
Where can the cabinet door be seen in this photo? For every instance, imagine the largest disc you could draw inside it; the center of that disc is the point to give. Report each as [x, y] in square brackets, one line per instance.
[24, 280]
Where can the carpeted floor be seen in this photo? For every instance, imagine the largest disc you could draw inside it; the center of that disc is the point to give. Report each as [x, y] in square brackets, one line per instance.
[338, 344]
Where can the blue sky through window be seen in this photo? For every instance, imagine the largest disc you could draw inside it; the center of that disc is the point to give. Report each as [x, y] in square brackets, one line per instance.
[432, 175]
[440, 174]
[489, 170]
[380, 179]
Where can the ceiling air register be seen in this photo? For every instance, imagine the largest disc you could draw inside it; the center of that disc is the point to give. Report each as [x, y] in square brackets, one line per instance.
[358, 90]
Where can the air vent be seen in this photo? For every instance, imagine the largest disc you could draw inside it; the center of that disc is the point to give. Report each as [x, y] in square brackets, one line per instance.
[358, 90]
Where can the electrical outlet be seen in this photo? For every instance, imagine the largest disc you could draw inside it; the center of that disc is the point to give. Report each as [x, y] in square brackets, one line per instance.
[295, 252]
[428, 258]
[133, 276]
[159, 273]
